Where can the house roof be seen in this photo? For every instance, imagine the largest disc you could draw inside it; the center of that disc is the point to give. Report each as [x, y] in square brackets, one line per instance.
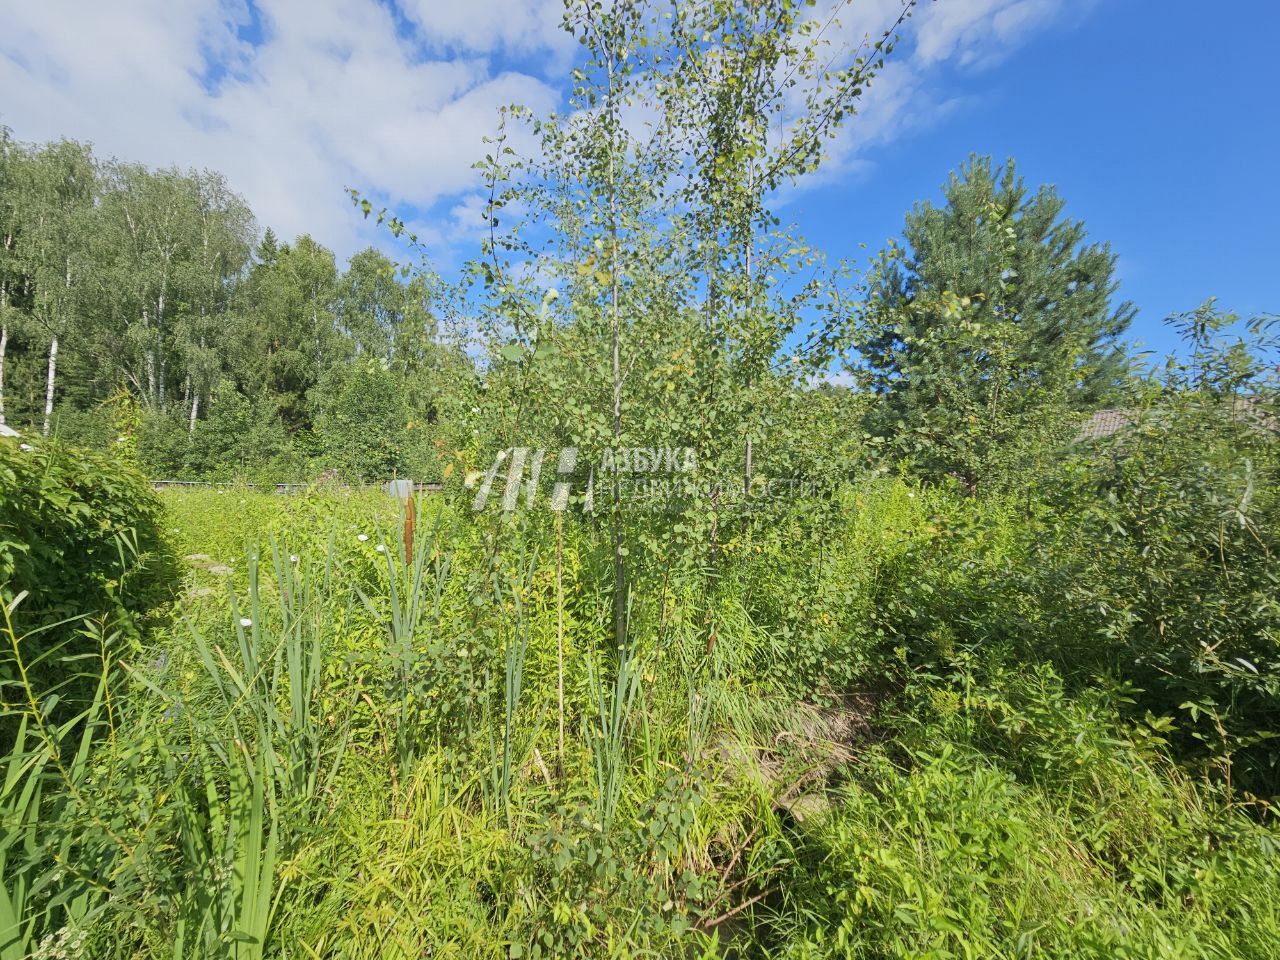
[1104, 423]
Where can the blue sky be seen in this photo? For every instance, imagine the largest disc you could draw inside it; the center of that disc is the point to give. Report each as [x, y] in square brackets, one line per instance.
[1156, 121]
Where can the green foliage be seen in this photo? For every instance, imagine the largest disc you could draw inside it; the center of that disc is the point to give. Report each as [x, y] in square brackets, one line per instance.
[239, 439]
[120, 280]
[987, 328]
[956, 687]
[1010, 820]
[825, 579]
[80, 537]
[363, 421]
[1157, 559]
[360, 753]
[595, 886]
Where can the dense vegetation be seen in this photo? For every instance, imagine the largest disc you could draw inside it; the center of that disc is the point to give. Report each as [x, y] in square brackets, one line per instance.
[135, 304]
[80, 533]
[915, 667]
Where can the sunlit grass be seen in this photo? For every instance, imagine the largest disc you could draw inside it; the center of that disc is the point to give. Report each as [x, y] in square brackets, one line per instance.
[349, 746]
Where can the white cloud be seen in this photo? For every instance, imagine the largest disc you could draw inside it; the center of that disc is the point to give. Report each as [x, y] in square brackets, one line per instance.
[980, 32]
[910, 93]
[337, 93]
[488, 25]
[332, 97]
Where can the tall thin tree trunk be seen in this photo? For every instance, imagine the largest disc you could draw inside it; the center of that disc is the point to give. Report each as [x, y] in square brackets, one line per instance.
[4, 328]
[52, 377]
[619, 558]
[560, 633]
[195, 411]
[49, 382]
[160, 351]
[4, 344]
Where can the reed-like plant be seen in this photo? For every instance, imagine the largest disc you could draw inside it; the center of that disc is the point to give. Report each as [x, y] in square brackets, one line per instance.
[608, 740]
[268, 742]
[417, 575]
[510, 590]
[229, 849]
[20, 797]
[44, 774]
[269, 684]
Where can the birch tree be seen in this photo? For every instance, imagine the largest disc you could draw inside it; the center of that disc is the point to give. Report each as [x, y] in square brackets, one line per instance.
[223, 226]
[13, 174]
[55, 249]
[647, 203]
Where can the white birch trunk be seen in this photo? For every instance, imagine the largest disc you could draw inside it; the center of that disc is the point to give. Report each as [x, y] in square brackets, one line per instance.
[160, 374]
[4, 344]
[49, 383]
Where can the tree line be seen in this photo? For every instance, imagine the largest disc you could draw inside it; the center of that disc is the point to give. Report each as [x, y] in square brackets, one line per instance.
[145, 302]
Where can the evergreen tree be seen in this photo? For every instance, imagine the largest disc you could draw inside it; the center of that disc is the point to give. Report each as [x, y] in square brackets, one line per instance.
[992, 320]
[269, 248]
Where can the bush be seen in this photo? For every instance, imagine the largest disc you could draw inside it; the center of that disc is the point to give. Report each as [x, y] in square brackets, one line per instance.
[361, 421]
[1152, 557]
[1162, 565]
[80, 535]
[241, 438]
[1008, 819]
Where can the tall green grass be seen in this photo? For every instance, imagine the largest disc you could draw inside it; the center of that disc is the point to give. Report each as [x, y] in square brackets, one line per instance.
[346, 755]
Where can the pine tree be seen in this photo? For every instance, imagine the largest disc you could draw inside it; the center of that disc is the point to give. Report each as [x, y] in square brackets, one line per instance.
[992, 319]
[269, 248]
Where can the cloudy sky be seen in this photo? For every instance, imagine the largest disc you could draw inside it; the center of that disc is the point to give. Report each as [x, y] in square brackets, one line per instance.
[1126, 104]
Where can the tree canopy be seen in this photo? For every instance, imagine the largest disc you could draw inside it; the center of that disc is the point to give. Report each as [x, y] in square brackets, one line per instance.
[993, 318]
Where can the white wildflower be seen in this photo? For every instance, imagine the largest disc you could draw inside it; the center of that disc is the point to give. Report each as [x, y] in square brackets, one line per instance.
[246, 622]
[362, 537]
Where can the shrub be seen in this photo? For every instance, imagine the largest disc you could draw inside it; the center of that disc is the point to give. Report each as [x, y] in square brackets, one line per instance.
[362, 419]
[80, 535]
[1007, 819]
[1161, 566]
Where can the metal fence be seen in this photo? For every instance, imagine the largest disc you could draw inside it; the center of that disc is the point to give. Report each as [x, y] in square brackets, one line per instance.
[286, 488]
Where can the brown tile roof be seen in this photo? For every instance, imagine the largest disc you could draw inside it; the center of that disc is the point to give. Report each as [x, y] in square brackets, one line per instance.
[1103, 423]
[1106, 423]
